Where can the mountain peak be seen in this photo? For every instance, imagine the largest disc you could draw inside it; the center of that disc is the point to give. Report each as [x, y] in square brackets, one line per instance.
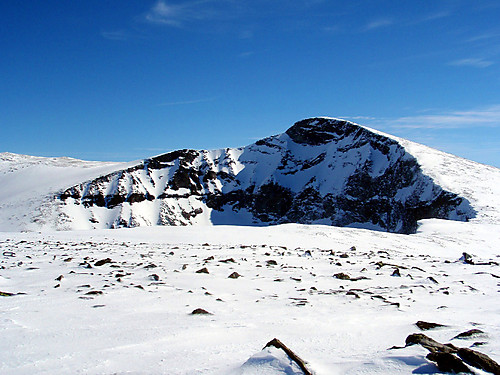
[320, 130]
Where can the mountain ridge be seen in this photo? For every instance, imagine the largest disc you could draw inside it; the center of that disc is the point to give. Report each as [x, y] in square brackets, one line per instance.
[320, 171]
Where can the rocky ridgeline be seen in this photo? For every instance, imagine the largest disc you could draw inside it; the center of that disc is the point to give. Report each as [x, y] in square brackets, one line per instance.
[321, 170]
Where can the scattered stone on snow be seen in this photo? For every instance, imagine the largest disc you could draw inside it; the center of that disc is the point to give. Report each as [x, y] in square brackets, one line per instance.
[200, 311]
[430, 278]
[102, 262]
[234, 275]
[93, 292]
[429, 344]
[425, 326]
[470, 333]
[447, 362]
[466, 258]
[479, 360]
[202, 270]
[294, 357]
[342, 276]
[445, 355]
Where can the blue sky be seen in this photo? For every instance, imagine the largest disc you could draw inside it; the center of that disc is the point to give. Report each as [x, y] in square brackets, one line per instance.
[123, 80]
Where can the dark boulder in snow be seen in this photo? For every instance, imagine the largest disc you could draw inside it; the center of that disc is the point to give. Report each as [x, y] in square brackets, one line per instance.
[425, 326]
[200, 311]
[479, 360]
[448, 362]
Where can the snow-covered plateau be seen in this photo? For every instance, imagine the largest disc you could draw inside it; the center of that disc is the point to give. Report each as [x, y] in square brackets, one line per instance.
[301, 237]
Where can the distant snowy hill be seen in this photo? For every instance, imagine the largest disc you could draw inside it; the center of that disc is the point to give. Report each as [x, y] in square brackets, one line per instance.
[320, 171]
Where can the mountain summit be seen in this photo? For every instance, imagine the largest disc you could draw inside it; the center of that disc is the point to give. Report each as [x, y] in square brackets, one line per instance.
[320, 171]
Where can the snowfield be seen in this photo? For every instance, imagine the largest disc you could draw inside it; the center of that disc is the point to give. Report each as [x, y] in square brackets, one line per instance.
[132, 315]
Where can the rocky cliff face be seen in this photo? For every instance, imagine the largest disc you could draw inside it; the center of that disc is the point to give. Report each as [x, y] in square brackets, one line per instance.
[321, 170]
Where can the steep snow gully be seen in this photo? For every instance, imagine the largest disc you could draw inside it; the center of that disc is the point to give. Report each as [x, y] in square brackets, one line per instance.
[320, 171]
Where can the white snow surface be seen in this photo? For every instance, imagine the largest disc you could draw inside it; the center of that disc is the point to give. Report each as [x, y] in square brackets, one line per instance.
[139, 325]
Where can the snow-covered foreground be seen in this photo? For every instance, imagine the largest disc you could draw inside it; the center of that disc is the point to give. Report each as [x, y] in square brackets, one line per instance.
[120, 318]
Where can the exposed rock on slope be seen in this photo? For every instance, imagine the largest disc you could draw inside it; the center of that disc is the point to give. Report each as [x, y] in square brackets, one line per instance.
[321, 170]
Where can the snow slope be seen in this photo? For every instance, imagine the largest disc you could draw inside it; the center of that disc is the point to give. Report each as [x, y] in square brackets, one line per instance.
[478, 183]
[133, 315]
[27, 184]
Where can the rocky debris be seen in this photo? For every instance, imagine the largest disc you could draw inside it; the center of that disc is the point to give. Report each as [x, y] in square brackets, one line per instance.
[425, 326]
[59, 278]
[229, 260]
[102, 262]
[396, 273]
[470, 333]
[445, 355]
[352, 293]
[202, 270]
[342, 276]
[200, 311]
[430, 278]
[478, 343]
[294, 357]
[93, 292]
[429, 344]
[234, 275]
[447, 362]
[271, 262]
[479, 360]
[154, 277]
[6, 294]
[466, 258]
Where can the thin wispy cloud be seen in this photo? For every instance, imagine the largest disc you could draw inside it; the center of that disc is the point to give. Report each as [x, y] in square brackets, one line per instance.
[115, 35]
[378, 24]
[483, 37]
[170, 14]
[358, 117]
[483, 117]
[472, 62]
[166, 14]
[184, 102]
[246, 54]
[436, 16]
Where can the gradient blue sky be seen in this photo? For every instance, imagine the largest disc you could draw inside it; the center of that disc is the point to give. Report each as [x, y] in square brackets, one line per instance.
[123, 80]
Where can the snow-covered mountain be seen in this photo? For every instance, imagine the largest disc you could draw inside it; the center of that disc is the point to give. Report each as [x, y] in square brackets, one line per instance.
[321, 171]
[183, 299]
